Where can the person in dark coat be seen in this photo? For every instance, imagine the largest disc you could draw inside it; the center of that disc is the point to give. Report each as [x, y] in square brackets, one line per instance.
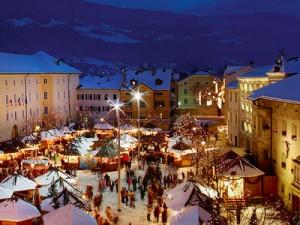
[164, 216]
[156, 213]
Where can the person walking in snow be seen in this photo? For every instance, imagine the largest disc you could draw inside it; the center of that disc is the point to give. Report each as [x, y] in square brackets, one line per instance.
[156, 213]
[164, 216]
[149, 210]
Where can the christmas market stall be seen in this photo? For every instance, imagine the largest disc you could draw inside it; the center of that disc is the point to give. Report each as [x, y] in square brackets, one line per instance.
[58, 186]
[52, 175]
[21, 186]
[190, 201]
[63, 198]
[127, 141]
[17, 212]
[182, 151]
[191, 215]
[240, 180]
[127, 128]
[75, 216]
[32, 146]
[106, 157]
[9, 153]
[104, 130]
[37, 164]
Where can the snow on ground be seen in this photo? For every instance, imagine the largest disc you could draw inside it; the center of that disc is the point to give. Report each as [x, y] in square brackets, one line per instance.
[137, 215]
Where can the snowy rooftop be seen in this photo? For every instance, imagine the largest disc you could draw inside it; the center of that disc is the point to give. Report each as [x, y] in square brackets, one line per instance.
[17, 211]
[292, 65]
[280, 90]
[233, 69]
[258, 72]
[69, 215]
[97, 82]
[40, 62]
[159, 79]
[17, 183]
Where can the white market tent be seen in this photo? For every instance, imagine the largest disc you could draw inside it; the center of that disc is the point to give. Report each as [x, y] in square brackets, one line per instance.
[5, 193]
[126, 141]
[241, 168]
[103, 126]
[17, 210]
[37, 161]
[53, 175]
[60, 185]
[69, 215]
[190, 215]
[18, 183]
[49, 204]
[83, 145]
[51, 134]
[175, 140]
[127, 127]
[177, 197]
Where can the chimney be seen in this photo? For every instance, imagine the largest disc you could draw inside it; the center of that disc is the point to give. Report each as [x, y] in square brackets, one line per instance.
[278, 71]
[123, 77]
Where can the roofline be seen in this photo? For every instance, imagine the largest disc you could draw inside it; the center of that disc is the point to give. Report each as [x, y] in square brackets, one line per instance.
[193, 75]
[84, 88]
[254, 78]
[275, 99]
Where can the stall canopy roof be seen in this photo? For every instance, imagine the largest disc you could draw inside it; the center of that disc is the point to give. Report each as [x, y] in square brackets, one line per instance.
[17, 183]
[63, 198]
[69, 215]
[109, 150]
[5, 193]
[242, 168]
[53, 175]
[17, 210]
[60, 185]
[103, 126]
[190, 216]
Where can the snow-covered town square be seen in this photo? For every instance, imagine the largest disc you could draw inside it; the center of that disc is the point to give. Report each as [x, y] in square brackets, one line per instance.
[150, 112]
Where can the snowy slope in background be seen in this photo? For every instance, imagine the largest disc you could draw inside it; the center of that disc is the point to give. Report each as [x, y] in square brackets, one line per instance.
[96, 37]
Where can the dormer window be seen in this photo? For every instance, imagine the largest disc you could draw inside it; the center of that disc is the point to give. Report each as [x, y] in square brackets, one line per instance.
[158, 82]
[133, 82]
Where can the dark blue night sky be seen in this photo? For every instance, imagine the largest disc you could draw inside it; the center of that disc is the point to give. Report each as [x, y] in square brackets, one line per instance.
[95, 35]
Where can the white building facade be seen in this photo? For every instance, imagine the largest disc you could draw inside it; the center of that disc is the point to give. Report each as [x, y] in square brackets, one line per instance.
[32, 87]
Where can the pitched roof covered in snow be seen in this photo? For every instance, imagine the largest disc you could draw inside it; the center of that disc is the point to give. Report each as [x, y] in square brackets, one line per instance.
[96, 82]
[233, 69]
[286, 90]
[156, 79]
[17, 210]
[258, 72]
[40, 62]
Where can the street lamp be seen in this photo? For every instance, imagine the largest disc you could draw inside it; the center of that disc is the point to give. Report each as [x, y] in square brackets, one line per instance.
[137, 95]
[116, 106]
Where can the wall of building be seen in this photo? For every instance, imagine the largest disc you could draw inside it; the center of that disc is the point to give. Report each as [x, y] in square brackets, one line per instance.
[189, 98]
[39, 91]
[279, 143]
[246, 86]
[155, 109]
[233, 104]
[93, 102]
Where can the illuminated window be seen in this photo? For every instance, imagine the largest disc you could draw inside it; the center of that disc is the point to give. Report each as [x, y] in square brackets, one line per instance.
[294, 132]
[284, 128]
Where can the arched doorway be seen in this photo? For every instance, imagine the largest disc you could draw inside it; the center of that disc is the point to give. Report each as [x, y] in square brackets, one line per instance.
[15, 132]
